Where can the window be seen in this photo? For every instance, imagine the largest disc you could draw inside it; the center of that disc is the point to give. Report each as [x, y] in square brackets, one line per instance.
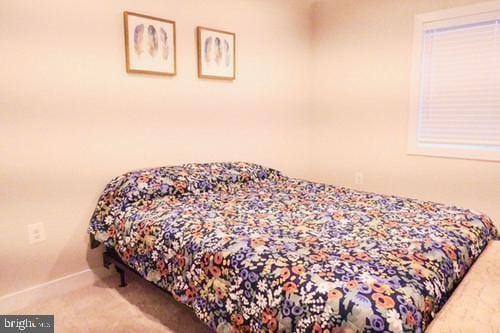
[455, 99]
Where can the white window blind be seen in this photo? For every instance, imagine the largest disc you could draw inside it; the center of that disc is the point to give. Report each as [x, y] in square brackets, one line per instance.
[459, 100]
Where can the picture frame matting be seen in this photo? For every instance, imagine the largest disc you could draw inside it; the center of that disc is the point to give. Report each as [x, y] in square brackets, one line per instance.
[150, 44]
[216, 54]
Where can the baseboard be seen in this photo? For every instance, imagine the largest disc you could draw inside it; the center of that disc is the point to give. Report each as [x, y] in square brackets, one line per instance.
[23, 298]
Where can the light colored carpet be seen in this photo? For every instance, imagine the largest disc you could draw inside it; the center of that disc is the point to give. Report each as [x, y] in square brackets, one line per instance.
[140, 307]
[104, 307]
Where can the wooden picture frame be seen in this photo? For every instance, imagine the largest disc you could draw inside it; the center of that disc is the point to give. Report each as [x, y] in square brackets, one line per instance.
[150, 45]
[216, 54]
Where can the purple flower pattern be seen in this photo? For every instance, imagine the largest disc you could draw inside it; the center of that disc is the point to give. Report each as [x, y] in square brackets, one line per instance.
[251, 250]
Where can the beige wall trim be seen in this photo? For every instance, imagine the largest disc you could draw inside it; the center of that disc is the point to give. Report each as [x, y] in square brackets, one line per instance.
[20, 299]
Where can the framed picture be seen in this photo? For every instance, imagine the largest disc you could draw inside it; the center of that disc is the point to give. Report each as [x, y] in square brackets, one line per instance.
[216, 54]
[150, 46]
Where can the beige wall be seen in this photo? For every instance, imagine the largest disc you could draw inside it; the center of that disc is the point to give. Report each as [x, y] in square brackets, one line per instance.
[71, 118]
[361, 83]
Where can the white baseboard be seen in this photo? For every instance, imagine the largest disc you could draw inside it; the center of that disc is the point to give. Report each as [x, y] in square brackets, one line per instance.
[23, 298]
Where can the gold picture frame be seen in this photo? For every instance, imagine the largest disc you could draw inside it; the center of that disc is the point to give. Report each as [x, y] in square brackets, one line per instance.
[216, 54]
[150, 45]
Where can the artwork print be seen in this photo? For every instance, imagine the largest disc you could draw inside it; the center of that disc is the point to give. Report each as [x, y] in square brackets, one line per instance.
[149, 44]
[216, 54]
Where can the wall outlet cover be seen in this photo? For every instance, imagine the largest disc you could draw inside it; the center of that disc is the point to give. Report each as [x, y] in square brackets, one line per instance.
[359, 178]
[36, 233]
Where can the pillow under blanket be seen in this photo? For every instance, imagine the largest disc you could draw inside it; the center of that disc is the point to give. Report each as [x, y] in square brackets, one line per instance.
[188, 179]
[182, 180]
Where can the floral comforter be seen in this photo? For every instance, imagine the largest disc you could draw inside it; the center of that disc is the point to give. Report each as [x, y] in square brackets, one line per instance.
[251, 250]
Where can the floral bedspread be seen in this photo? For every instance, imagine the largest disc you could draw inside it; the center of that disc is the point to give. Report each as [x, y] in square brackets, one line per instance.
[251, 250]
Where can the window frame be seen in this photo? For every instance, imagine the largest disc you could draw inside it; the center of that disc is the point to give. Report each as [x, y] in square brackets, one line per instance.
[413, 147]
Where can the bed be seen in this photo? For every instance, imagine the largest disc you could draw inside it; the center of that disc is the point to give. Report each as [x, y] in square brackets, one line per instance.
[249, 249]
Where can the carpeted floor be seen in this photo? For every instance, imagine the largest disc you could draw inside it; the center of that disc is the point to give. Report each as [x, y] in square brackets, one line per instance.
[140, 307]
[104, 307]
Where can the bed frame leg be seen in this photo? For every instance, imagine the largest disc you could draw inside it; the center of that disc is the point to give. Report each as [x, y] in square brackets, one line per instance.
[105, 260]
[93, 242]
[122, 276]
[108, 259]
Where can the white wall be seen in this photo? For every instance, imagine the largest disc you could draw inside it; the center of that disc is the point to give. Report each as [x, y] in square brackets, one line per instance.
[362, 54]
[71, 118]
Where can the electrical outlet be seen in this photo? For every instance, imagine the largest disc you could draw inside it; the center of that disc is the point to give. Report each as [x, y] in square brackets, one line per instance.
[36, 233]
[359, 178]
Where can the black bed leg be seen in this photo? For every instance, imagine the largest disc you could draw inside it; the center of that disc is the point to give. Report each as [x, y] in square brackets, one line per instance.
[93, 242]
[105, 260]
[122, 276]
